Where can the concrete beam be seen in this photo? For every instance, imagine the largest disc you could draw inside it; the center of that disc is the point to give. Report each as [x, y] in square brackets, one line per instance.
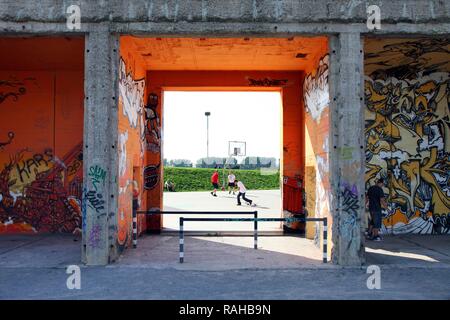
[347, 157]
[100, 170]
[226, 29]
[215, 11]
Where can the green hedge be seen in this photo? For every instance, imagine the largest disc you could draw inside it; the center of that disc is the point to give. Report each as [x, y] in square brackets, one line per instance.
[199, 179]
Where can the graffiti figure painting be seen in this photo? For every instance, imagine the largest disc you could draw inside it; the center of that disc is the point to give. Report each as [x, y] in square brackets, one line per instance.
[408, 134]
[152, 124]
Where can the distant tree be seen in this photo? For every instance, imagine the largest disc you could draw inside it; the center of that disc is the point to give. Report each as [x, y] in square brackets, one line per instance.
[251, 163]
[181, 163]
[211, 162]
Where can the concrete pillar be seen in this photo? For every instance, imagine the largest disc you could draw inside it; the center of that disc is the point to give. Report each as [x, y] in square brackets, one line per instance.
[347, 157]
[100, 170]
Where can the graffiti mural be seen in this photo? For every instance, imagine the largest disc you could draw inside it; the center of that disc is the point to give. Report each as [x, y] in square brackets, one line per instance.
[408, 133]
[151, 176]
[152, 132]
[12, 88]
[38, 194]
[316, 90]
[10, 139]
[316, 101]
[131, 141]
[132, 95]
[267, 82]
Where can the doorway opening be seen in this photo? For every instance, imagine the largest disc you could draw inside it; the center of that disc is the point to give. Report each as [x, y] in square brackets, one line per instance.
[236, 133]
[293, 68]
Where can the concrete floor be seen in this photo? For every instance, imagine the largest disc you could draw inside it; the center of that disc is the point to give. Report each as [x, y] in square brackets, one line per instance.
[412, 267]
[224, 267]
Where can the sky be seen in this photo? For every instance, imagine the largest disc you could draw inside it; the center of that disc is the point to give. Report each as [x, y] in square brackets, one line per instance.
[253, 117]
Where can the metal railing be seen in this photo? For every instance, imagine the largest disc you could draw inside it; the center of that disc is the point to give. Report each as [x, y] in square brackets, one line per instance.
[153, 212]
[255, 230]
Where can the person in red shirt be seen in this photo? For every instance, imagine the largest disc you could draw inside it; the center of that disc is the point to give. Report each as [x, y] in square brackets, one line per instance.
[215, 182]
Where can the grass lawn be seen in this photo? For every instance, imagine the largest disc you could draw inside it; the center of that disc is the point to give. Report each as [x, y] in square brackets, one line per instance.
[199, 179]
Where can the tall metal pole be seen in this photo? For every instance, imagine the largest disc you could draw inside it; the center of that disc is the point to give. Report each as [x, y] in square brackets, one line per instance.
[207, 114]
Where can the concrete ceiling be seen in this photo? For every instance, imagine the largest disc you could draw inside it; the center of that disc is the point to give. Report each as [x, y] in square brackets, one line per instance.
[229, 53]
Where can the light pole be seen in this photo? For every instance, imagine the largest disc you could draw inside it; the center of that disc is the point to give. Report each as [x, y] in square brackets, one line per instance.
[207, 114]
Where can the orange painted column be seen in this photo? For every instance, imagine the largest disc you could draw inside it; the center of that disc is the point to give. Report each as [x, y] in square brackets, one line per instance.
[293, 154]
[131, 139]
[153, 170]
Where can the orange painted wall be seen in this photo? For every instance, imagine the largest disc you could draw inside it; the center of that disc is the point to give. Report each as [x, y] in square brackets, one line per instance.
[316, 100]
[131, 145]
[41, 134]
[290, 84]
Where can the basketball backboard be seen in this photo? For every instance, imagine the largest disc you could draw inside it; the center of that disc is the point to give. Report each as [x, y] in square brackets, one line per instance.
[237, 148]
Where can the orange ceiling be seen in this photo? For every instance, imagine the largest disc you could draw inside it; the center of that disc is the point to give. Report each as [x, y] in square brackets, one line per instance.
[42, 53]
[228, 53]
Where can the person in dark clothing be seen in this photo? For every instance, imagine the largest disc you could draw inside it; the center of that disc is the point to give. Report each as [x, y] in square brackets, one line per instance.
[377, 201]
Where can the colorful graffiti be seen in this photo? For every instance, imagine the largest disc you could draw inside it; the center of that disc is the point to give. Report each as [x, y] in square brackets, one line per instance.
[152, 132]
[131, 140]
[408, 134]
[132, 94]
[316, 90]
[316, 101]
[151, 176]
[40, 190]
[36, 191]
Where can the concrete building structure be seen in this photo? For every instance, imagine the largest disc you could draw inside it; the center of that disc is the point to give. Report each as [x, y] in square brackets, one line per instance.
[81, 108]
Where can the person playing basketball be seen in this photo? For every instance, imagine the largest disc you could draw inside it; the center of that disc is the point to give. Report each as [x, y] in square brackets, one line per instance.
[231, 182]
[242, 191]
[215, 182]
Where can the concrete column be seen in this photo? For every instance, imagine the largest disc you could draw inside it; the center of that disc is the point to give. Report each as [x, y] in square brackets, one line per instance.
[100, 170]
[347, 157]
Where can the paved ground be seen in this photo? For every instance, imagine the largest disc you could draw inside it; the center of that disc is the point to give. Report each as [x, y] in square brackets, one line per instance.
[268, 205]
[224, 267]
[34, 267]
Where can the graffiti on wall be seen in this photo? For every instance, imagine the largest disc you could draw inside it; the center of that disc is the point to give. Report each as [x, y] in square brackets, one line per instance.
[267, 82]
[37, 192]
[12, 88]
[132, 95]
[316, 90]
[408, 137]
[151, 176]
[131, 141]
[316, 100]
[152, 132]
[123, 138]
[4, 143]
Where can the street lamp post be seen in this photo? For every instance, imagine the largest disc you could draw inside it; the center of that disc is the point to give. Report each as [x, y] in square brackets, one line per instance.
[207, 114]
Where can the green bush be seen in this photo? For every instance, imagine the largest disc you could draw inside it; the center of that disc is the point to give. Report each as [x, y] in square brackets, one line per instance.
[199, 179]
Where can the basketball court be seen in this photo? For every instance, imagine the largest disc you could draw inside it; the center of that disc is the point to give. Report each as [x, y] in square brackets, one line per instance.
[268, 205]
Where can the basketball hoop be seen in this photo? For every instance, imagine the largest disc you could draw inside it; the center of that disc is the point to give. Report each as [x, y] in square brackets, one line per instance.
[235, 149]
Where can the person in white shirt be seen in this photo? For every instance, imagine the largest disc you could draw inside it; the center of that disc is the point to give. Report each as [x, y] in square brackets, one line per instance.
[231, 182]
[242, 191]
